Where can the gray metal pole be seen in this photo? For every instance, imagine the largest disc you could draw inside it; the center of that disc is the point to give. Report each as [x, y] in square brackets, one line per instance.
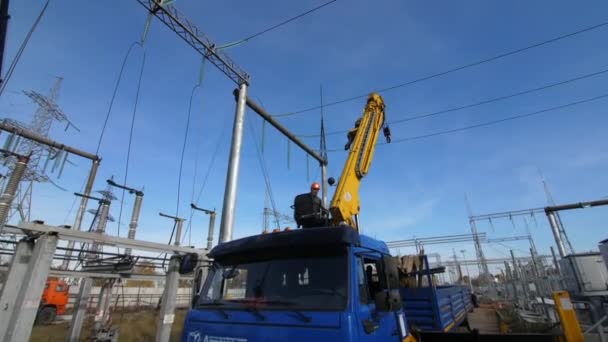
[271, 120]
[6, 199]
[81, 211]
[324, 184]
[525, 284]
[511, 279]
[211, 229]
[517, 277]
[555, 263]
[556, 234]
[104, 211]
[5, 126]
[467, 268]
[134, 218]
[26, 304]
[178, 231]
[537, 283]
[232, 180]
[167, 308]
[14, 280]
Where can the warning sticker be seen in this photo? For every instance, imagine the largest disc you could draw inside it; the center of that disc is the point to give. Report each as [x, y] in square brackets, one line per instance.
[566, 303]
[168, 319]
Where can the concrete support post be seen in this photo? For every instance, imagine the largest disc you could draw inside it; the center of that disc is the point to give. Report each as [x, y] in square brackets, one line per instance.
[80, 310]
[14, 280]
[102, 314]
[6, 199]
[556, 234]
[81, 211]
[134, 218]
[28, 298]
[167, 308]
[86, 284]
[211, 229]
[229, 206]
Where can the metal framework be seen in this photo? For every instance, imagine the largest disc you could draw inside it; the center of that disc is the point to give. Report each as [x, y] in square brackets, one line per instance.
[434, 240]
[31, 265]
[509, 238]
[184, 28]
[493, 261]
[64, 233]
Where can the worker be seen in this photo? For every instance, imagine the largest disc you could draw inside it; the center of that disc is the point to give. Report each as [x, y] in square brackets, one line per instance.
[372, 285]
[308, 211]
[351, 134]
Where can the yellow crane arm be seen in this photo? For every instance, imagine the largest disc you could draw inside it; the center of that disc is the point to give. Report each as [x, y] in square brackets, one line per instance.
[344, 205]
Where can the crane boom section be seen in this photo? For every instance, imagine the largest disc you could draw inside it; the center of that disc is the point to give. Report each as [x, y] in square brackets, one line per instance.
[345, 204]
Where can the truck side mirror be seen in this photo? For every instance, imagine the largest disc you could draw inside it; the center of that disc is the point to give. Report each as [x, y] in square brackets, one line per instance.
[197, 286]
[388, 300]
[389, 277]
[188, 263]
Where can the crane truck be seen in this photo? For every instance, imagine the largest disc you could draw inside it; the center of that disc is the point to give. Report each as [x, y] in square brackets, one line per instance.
[307, 284]
[326, 283]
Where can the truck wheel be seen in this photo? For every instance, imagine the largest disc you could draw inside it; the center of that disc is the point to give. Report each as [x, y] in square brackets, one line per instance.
[46, 315]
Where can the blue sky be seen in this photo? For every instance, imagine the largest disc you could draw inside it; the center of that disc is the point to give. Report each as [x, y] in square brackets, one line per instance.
[350, 47]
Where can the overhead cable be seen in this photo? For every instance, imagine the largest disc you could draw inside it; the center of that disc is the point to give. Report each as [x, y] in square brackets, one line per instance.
[183, 150]
[255, 35]
[493, 122]
[449, 71]
[13, 65]
[489, 123]
[141, 73]
[122, 69]
[475, 104]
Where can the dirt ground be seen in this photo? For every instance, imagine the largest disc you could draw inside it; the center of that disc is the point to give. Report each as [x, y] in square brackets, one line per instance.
[133, 327]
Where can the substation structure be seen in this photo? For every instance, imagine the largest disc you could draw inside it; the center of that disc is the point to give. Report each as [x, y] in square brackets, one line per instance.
[31, 265]
[584, 275]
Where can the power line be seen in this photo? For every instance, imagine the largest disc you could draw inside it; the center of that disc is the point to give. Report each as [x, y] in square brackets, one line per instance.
[13, 65]
[122, 198]
[476, 104]
[449, 71]
[493, 122]
[255, 35]
[113, 98]
[183, 152]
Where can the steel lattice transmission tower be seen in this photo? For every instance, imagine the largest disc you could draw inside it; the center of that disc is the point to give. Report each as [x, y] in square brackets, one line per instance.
[45, 115]
[482, 264]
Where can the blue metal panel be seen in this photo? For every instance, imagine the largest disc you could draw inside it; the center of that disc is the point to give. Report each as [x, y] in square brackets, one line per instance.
[377, 245]
[447, 308]
[210, 324]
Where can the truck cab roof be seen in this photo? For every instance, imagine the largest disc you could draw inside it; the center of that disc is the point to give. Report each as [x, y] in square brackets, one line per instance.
[295, 239]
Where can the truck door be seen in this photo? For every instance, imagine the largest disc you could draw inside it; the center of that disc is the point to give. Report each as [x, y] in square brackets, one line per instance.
[372, 325]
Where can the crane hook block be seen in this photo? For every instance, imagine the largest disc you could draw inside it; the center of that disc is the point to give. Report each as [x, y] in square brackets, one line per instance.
[387, 133]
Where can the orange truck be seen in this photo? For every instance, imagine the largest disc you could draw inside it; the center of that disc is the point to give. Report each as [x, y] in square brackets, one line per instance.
[53, 302]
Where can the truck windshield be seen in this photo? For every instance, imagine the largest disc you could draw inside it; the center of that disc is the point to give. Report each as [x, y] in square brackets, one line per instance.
[302, 282]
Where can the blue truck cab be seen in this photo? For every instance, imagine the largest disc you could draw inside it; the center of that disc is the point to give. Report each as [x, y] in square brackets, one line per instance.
[314, 284]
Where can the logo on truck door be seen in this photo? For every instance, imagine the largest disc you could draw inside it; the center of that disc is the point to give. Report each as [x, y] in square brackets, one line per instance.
[195, 336]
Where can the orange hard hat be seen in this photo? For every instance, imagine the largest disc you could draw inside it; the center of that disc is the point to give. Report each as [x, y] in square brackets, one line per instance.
[315, 186]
